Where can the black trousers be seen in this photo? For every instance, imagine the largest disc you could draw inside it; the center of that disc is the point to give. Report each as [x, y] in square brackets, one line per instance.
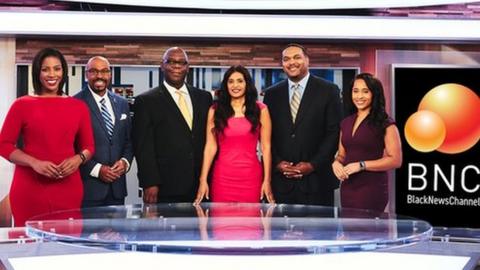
[298, 196]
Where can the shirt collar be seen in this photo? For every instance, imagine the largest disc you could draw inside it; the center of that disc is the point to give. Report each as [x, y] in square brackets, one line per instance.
[96, 96]
[172, 89]
[302, 82]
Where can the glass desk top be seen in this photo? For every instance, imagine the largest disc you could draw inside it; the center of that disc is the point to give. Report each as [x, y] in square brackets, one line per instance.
[229, 228]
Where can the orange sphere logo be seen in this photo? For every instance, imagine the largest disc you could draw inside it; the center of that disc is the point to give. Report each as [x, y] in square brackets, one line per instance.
[425, 131]
[448, 120]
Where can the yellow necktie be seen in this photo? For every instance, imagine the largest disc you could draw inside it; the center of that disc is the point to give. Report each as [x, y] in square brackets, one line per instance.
[182, 105]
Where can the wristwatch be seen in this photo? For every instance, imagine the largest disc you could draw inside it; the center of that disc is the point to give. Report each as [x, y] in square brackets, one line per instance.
[362, 166]
[82, 157]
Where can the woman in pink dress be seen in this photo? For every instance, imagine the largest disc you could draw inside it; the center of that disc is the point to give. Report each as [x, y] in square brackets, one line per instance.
[236, 123]
[57, 137]
[369, 146]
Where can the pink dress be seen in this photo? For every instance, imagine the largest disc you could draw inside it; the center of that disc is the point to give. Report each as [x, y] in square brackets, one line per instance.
[236, 222]
[237, 173]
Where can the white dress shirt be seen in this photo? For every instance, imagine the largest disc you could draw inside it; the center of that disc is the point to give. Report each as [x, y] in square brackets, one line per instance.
[303, 85]
[185, 93]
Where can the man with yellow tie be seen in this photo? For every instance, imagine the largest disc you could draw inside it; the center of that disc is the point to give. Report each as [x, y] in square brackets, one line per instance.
[169, 133]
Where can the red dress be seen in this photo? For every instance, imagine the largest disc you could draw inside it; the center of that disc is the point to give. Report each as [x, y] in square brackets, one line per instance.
[237, 173]
[53, 129]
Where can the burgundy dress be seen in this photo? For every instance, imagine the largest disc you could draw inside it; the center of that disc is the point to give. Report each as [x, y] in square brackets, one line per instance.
[365, 189]
[53, 129]
[237, 173]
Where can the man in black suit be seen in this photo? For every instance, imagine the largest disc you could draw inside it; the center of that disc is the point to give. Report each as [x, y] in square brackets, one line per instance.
[305, 114]
[103, 176]
[169, 133]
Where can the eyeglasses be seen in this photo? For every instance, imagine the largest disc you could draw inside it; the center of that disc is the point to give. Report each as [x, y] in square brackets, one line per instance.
[96, 71]
[175, 63]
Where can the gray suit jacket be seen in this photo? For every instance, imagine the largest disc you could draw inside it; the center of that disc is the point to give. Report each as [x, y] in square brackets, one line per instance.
[107, 152]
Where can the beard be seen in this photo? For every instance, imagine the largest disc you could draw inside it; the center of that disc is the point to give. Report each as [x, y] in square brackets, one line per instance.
[99, 88]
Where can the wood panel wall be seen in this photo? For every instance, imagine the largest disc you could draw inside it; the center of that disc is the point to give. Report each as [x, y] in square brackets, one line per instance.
[254, 53]
[209, 53]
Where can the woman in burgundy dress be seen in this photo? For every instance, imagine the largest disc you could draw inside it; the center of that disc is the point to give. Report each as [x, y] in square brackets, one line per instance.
[369, 146]
[57, 138]
[236, 123]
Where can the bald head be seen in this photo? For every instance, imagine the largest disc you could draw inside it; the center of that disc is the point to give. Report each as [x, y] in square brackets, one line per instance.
[175, 66]
[98, 74]
[97, 58]
[176, 50]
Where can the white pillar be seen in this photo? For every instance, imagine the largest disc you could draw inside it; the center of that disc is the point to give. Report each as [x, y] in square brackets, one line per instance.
[9, 93]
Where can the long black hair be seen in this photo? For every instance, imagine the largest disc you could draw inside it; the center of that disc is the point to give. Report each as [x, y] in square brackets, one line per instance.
[37, 68]
[223, 108]
[377, 116]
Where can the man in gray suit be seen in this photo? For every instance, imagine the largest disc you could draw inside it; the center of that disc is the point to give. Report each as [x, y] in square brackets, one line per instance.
[103, 176]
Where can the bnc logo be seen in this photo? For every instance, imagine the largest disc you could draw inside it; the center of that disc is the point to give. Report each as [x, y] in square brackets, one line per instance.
[447, 120]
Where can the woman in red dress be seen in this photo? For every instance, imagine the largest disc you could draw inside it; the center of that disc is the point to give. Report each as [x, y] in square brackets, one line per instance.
[369, 146]
[236, 123]
[57, 139]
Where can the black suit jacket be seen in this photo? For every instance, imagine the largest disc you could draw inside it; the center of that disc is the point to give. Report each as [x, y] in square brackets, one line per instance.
[168, 153]
[107, 152]
[313, 137]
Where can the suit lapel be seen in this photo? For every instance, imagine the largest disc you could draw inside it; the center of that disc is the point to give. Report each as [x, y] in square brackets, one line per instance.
[285, 99]
[194, 99]
[306, 101]
[92, 104]
[116, 111]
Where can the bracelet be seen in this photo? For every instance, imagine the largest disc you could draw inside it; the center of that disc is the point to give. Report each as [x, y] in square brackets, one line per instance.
[363, 167]
[82, 157]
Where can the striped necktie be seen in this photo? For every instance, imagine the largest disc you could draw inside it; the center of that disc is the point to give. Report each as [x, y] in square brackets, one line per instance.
[107, 118]
[182, 105]
[295, 102]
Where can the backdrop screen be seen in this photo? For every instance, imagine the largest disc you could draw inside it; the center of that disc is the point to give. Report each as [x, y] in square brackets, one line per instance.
[439, 180]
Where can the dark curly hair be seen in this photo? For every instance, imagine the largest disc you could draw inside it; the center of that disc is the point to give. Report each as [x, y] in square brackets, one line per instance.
[223, 108]
[377, 116]
[37, 68]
